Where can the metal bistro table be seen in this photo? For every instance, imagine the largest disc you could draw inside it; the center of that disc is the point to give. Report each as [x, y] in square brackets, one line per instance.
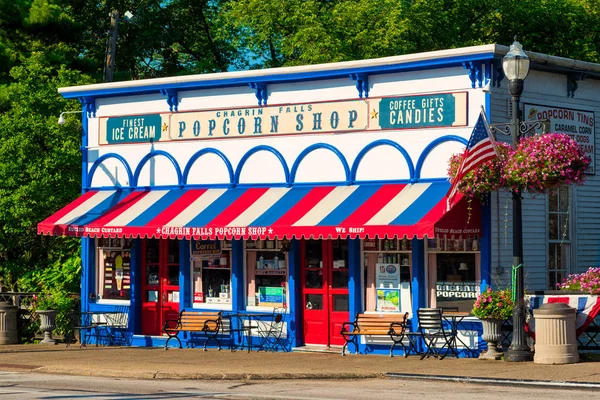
[244, 324]
[454, 318]
[94, 322]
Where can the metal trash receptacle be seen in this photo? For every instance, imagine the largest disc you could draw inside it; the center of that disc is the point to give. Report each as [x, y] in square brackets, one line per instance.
[555, 334]
[8, 323]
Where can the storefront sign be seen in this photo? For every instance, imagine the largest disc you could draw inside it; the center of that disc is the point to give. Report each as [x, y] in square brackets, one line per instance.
[206, 249]
[271, 296]
[133, 129]
[387, 275]
[447, 291]
[405, 112]
[578, 124]
[388, 300]
[423, 111]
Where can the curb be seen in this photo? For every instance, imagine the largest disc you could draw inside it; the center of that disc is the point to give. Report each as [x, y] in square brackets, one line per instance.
[499, 381]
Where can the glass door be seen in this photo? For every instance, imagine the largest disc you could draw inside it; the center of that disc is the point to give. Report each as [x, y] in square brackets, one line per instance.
[160, 284]
[324, 290]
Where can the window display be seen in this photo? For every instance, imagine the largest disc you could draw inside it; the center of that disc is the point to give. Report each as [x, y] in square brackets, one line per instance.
[114, 268]
[267, 273]
[211, 272]
[387, 274]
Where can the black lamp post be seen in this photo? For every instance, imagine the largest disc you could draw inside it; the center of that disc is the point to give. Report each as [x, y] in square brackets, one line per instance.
[516, 68]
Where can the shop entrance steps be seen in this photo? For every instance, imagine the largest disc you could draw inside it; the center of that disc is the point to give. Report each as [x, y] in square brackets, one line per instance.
[314, 348]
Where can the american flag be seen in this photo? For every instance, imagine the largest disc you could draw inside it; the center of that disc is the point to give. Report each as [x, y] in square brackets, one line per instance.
[481, 148]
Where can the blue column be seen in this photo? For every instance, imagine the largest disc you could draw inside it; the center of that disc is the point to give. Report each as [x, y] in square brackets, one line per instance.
[185, 280]
[136, 287]
[238, 292]
[418, 287]
[486, 244]
[354, 278]
[294, 296]
[88, 267]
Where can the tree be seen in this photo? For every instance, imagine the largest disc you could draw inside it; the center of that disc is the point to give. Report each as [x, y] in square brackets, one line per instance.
[36, 157]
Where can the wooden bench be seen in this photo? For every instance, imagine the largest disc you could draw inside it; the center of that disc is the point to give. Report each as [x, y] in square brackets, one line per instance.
[392, 325]
[207, 322]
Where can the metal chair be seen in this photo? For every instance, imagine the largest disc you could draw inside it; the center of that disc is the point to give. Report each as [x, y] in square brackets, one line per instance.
[117, 324]
[273, 334]
[431, 327]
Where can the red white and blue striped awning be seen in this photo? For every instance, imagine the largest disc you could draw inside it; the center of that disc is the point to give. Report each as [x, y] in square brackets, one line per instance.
[386, 210]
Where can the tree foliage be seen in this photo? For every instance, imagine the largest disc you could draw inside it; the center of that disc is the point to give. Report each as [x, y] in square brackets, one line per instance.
[47, 44]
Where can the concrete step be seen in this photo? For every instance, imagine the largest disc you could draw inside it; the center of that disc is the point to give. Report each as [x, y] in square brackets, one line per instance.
[313, 348]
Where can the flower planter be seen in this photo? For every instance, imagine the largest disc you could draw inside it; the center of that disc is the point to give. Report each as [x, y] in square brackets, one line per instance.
[492, 334]
[48, 323]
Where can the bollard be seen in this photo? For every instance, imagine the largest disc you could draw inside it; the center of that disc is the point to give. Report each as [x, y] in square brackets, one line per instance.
[555, 335]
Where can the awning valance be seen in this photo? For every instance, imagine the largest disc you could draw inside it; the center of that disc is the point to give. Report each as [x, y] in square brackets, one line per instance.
[355, 211]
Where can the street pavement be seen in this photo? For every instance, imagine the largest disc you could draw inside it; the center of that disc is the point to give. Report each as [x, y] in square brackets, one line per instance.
[157, 363]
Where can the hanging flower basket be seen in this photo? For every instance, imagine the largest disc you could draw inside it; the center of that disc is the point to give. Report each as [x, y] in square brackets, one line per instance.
[538, 164]
[484, 178]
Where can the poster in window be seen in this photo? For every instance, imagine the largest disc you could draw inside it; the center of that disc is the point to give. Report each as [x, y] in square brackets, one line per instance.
[206, 249]
[117, 274]
[388, 300]
[387, 276]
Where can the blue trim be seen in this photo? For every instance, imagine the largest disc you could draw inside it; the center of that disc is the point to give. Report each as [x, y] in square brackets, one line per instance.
[172, 99]
[377, 143]
[314, 147]
[200, 153]
[295, 307]
[100, 160]
[433, 145]
[256, 149]
[88, 271]
[497, 73]
[152, 154]
[417, 65]
[362, 84]
[89, 105]
[261, 92]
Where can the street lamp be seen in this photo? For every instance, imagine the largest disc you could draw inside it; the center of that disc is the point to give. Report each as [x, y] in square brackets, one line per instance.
[516, 68]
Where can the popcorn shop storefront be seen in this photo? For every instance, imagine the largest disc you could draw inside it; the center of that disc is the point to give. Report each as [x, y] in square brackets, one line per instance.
[317, 189]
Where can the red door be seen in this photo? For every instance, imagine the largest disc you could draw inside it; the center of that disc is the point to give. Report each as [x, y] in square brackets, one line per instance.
[324, 290]
[160, 284]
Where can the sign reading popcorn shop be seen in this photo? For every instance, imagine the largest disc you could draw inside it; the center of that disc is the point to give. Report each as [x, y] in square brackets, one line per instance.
[389, 113]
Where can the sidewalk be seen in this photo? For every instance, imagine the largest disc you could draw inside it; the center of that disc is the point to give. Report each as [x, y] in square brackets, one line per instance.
[156, 363]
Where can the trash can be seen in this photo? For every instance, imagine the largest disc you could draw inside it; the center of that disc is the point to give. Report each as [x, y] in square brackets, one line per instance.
[8, 323]
[555, 337]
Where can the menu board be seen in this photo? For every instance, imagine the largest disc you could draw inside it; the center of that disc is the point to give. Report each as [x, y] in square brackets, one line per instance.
[117, 274]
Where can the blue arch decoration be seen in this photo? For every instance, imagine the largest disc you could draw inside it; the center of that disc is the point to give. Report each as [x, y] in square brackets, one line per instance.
[433, 145]
[153, 154]
[314, 147]
[377, 143]
[238, 171]
[100, 160]
[200, 153]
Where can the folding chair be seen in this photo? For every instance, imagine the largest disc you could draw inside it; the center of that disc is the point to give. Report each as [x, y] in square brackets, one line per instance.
[273, 335]
[431, 326]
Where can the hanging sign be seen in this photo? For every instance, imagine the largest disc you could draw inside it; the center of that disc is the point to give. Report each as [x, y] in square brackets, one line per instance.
[578, 124]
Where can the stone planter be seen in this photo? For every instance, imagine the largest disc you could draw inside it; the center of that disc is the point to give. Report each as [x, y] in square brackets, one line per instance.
[492, 334]
[48, 323]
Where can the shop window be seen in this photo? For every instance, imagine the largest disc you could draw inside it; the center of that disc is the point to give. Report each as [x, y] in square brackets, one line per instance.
[266, 272]
[211, 272]
[114, 269]
[559, 235]
[387, 269]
